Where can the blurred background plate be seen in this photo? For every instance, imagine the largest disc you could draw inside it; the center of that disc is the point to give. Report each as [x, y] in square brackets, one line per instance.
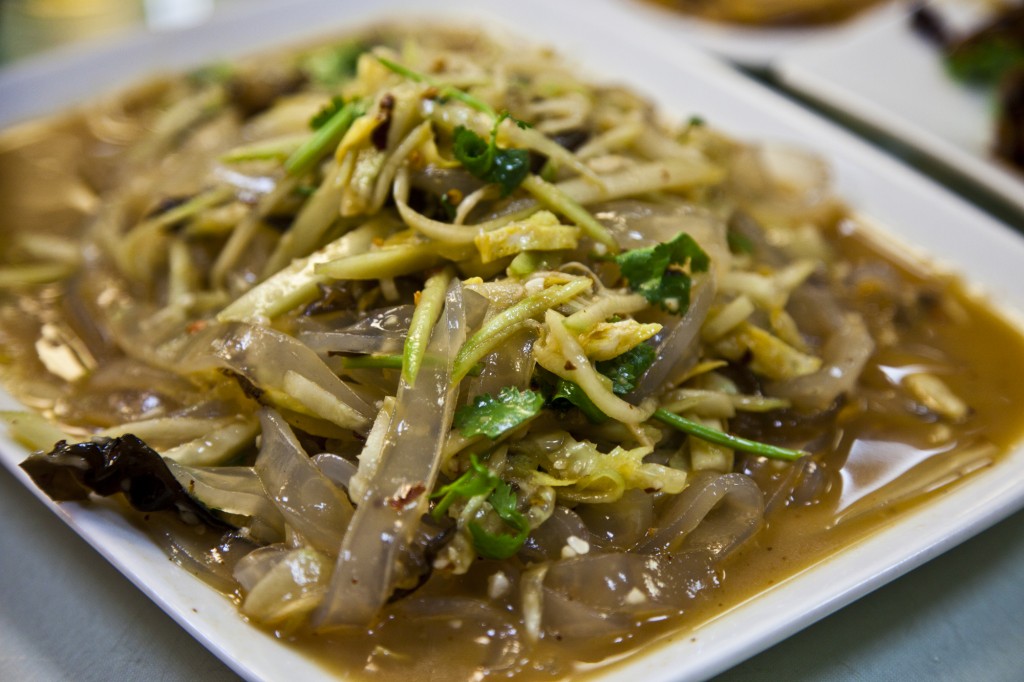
[755, 47]
[888, 77]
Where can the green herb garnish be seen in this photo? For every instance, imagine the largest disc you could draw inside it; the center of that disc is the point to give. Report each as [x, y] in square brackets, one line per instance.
[504, 167]
[626, 369]
[484, 159]
[494, 415]
[501, 545]
[725, 439]
[570, 391]
[326, 138]
[321, 118]
[480, 480]
[658, 272]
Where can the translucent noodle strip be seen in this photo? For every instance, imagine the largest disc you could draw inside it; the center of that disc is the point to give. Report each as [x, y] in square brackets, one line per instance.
[389, 514]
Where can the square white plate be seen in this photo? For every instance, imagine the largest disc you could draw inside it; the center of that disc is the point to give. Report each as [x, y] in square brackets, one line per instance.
[889, 77]
[608, 47]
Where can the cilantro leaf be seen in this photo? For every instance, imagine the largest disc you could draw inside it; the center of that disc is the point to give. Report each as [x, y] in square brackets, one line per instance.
[570, 391]
[562, 393]
[493, 416]
[626, 369]
[657, 272]
[501, 545]
[511, 166]
[484, 159]
[479, 480]
[321, 118]
[495, 545]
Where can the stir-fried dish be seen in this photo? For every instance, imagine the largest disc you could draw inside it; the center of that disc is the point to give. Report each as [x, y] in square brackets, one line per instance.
[771, 13]
[436, 357]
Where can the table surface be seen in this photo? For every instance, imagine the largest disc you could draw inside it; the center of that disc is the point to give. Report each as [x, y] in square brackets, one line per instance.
[66, 614]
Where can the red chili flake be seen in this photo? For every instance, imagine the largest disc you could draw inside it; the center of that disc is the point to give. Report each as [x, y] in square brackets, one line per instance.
[406, 495]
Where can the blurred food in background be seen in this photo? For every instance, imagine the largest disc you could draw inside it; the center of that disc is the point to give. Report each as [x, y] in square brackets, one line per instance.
[29, 27]
[771, 12]
[990, 56]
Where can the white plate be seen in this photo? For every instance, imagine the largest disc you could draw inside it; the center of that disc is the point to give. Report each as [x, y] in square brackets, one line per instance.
[890, 78]
[750, 46]
[684, 83]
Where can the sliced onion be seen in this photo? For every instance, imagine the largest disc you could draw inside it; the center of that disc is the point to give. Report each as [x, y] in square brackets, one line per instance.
[255, 565]
[268, 358]
[292, 588]
[336, 468]
[677, 344]
[719, 511]
[547, 541]
[311, 505]
[622, 524]
[236, 491]
[848, 347]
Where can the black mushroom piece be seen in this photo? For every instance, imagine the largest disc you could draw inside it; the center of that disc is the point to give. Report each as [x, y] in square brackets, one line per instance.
[107, 466]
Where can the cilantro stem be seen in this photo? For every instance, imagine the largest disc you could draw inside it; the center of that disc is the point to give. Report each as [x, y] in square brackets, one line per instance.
[324, 139]
[446, 91]
[423, 318]
[372, 362]
[505, 324]
[390, 361]
[727, 440]
[555, 199]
